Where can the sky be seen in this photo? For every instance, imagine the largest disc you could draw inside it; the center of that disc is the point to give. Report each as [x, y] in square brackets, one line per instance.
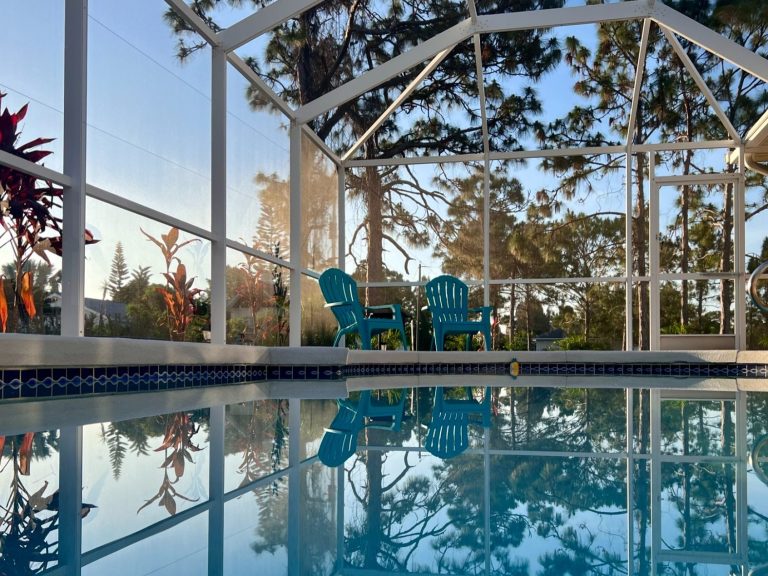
[148, 130]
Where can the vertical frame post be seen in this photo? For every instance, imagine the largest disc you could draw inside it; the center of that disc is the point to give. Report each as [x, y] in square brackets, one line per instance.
[75, 118]
[295, 235]
[216, 430]
[342, 211]
[70, 499]
[739, 257]
[653, 256]
[218, 196]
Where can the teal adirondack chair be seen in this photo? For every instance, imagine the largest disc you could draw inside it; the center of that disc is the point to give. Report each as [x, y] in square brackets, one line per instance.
[340, 292]
[448, 302]
[448, 431]
[339, 441]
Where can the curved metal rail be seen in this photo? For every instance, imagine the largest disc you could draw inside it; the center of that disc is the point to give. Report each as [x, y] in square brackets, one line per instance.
[752, 286]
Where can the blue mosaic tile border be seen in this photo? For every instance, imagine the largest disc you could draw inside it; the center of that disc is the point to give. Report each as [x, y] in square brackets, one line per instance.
[69, 382]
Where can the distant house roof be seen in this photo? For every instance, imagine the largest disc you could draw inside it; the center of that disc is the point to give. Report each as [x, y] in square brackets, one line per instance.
[107, 307]
[95, 306]
[554, 334]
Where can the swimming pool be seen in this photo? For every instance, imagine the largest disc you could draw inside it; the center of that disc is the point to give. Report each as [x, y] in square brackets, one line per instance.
[564, 478]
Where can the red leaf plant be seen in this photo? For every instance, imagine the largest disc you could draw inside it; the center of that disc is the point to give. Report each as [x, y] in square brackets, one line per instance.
[178, 294]
[30, 221]
[178, 447]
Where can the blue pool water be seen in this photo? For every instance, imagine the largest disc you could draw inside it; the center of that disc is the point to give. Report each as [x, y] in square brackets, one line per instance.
[521, 481]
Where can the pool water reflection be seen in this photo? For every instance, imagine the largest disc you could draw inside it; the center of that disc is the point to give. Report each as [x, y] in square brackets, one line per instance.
[467, 480]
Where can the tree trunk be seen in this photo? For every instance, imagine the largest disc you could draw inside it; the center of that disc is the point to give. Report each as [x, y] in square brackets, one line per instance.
[726, 263]
[374, 201]
[641, 245]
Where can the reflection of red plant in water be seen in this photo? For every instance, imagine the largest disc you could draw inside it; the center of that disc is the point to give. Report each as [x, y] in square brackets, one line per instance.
[29, 223]
[178, 447]
[26, 520]
[178, 295]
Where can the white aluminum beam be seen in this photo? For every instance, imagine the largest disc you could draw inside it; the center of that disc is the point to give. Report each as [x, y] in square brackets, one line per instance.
[189, 16]
[573, 16]
[524, 154]
[382, 73]
[27, 167]
[653, 255]
[739, 257]
[711, 41]
[75, 131]
[261, 21]
[294, 320]
[411, 160]
[257, 253]
[639, 72]
[141, 210]
[342, 217]
[255, 79]
[683, 55]
[322, 145]
[628, 259]
[218, 192]
[428, 69]
[682, 179]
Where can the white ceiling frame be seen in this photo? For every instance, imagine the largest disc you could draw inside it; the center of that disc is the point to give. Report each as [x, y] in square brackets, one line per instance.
[189, 16]
[711, 41]
[639, 73]
[683, 55]
[573, 16]
[255, 79]
[551, 153]
[381, 74]
[429, 68]
[481, 94]
[261, 21]
[485, 24]
[321, 144]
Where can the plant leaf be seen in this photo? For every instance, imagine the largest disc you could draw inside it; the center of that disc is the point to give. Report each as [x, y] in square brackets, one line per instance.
[3, 314]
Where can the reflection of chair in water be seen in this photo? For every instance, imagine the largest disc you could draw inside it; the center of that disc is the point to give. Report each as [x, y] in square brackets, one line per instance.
[339, 441]
[448, 302]
[759, 459]
[448, 431]
[340, 292]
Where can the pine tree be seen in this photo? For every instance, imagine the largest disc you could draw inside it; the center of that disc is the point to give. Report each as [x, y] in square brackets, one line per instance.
[118, 274]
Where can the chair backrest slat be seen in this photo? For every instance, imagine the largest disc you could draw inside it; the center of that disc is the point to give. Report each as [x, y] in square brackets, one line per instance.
[338, 286]
[448, 299]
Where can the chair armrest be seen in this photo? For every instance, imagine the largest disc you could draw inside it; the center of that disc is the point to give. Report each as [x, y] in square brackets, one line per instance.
[393, 308]
[383, 307]
[484, 310]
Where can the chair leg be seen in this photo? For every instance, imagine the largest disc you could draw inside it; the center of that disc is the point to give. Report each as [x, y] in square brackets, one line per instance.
[337, 339]
[439, 340]
[467, 342]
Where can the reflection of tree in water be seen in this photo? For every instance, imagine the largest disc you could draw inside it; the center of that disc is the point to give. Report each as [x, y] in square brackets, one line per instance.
[28, 521]
[249, 428]
[177, 447]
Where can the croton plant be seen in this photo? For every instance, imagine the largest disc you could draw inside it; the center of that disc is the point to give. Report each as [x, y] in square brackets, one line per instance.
[30, 218]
